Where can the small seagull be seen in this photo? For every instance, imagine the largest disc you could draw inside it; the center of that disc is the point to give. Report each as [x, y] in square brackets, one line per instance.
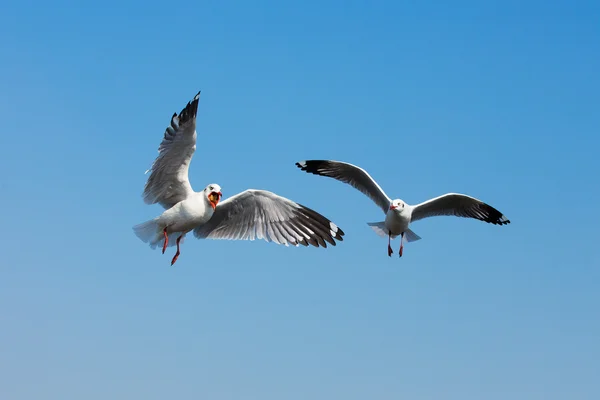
[251, 214]
[398, 214]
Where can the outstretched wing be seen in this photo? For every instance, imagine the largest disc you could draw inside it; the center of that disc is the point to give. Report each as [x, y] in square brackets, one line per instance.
[458, 205]
[350, 174]
[259, 214]
[168, 182]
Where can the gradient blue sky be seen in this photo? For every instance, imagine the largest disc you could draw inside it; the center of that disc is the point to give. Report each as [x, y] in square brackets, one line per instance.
[498, 99]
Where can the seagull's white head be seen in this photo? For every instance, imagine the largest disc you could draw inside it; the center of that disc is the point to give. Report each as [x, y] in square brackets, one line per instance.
[213, 194]
[397, 205]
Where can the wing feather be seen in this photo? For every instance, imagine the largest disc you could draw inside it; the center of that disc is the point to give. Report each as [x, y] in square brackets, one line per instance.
[259, 214]
[350, 174]
[459, 205]
[168, 182]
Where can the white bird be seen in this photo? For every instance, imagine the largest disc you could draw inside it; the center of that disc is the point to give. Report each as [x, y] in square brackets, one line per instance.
[398, 214]
[252, 214]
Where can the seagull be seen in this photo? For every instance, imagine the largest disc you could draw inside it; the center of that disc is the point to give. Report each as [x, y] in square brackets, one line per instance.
[398, 214]
[252, 214]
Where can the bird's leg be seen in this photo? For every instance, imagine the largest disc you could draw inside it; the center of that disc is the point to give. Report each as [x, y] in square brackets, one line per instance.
[390, 244]
[177, 253]
[401, 244]
[166, 240]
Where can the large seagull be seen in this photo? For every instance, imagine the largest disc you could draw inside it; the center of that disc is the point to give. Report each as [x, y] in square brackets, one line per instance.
[252, 214]
[398, 214]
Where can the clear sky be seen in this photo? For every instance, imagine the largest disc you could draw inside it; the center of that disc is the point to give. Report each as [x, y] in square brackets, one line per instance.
[499, 100]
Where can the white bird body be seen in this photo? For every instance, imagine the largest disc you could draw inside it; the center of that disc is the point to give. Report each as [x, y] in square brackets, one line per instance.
[397, 222]
[251, 214]
[175, 222]
[187, 214]
[398, 214]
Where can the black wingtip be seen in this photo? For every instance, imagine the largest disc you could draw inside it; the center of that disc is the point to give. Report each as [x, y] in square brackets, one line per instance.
[328, 231]
[310, 166]
[494, 216]
[190, 110]
[503, 220]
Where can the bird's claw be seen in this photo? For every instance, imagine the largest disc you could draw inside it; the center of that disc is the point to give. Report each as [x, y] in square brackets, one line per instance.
[390, 251]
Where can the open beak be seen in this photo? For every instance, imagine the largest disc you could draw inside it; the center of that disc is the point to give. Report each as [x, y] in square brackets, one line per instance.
[393, 207]
[214, 198]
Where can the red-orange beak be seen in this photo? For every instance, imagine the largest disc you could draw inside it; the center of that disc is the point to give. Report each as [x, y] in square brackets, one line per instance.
[393, 207]
[214, 198]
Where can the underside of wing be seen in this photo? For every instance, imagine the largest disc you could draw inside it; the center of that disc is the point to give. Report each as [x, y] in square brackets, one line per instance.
[459, 205]
[259, 214]
[168, 182]
[353, 175]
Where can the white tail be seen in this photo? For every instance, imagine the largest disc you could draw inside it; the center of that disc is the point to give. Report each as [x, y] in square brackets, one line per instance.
[150, 232]
[379, 228]
[411, 236]
[147, 231]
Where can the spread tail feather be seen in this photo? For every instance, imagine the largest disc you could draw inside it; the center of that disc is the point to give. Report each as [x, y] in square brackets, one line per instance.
[146, 231]
[150, 232]
[380, 230]
[411, 236]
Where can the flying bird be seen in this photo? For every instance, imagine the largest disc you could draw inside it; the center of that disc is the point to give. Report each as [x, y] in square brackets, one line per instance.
[252, 214]
[398, 214]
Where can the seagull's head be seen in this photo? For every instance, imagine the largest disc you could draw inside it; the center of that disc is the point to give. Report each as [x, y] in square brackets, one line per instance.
[213, 194]
[397, 205]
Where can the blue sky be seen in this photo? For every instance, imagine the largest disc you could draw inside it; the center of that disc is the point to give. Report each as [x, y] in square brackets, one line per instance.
[498, 100]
